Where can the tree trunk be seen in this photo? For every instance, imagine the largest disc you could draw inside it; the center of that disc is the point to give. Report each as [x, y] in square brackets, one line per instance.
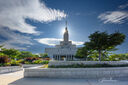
[99, 55]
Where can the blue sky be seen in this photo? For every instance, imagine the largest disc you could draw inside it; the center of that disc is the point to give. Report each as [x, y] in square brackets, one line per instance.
[33, 25]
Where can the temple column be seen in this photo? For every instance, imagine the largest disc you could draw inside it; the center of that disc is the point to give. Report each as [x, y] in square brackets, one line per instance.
[57, 57]
[72, 57]
[53, 57]
[66, 58]
[69, 57]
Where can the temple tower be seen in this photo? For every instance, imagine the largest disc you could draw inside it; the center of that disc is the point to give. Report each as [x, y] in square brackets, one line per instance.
[66, 36]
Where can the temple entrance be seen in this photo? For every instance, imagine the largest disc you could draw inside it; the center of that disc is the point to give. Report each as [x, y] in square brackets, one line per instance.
[63, 57]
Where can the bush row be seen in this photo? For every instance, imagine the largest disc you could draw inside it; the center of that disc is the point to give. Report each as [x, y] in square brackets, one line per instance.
[5, 61]
[87, 66]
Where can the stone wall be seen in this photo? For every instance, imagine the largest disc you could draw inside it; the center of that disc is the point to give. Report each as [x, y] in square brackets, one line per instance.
[56, 63]
[77, 72]
[30, 65]
[10, 69]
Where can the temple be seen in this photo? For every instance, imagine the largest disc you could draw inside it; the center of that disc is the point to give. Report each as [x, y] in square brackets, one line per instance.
[64, 51]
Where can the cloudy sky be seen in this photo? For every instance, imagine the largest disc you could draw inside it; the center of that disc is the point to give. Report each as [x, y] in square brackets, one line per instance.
[33, 25]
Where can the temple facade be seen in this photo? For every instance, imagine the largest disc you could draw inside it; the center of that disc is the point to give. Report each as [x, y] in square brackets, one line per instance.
[64, 51]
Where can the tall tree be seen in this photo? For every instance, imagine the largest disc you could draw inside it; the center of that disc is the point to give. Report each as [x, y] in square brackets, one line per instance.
[25, 54]
[102, 41]
[12, 53]
[82, 53]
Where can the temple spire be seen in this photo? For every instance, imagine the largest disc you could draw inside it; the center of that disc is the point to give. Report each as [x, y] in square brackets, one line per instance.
[66, 24]
[66, 37]
[66, 30]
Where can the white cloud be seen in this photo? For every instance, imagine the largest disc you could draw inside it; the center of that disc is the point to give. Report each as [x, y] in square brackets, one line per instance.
[14, 12]
[114, 17]
[55, 41]
[77, 42]
[123, 6]
[9, 39]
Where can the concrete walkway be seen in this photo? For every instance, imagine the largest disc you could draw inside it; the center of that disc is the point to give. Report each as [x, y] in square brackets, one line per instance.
[16, 78]
[41, 81]
[7, 78]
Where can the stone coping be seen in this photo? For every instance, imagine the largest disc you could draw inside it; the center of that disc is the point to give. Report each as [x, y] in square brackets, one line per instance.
[30, 65]
[10, 69]
[59, 63]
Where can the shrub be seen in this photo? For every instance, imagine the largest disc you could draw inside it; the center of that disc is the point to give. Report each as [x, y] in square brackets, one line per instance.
[21, 61]
[15, 63]
[40, 62]
[47, 58]
[45, 62]
[31, 59]
[37, 62]
[88, 66]
[4, 59]
[26, 62]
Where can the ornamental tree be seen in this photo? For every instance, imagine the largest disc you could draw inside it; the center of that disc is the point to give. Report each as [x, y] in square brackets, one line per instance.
[102, 41]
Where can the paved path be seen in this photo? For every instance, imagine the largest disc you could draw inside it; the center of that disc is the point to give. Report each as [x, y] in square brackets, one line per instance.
[41, 81]
[16, 78]
[7, 78]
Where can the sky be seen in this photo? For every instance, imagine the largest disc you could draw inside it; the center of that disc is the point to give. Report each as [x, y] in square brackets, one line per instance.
[33, 25]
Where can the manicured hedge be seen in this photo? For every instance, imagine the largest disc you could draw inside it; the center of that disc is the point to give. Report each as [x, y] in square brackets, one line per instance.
[87, 66]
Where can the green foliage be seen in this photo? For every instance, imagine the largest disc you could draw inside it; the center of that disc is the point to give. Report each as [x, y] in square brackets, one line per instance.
[87, 66]
[45, 62]
[43, 55]
[4, 64]
[37, 62]
[93, 56]
[4, 59]
[12, 53]
[31, 59]
[14, 63]
[25, 54]
[19, 57]
[21, 61]
[82, 53]
[102, 42]
[118, 57]
[1, 46]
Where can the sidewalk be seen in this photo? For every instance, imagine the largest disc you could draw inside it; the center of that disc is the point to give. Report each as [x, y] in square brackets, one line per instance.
[16, 78]
[7, 78]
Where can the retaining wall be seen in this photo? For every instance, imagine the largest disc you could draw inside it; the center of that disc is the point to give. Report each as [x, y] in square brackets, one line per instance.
[10, 69]
[30, 65]
[77, 72]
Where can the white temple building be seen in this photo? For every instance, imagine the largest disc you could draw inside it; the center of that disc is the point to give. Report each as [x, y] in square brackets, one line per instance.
[64, 51]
